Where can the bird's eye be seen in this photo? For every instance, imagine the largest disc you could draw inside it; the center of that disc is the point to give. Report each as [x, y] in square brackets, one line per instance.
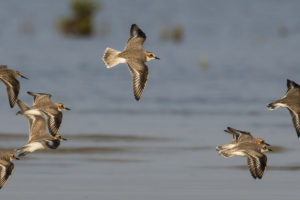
[151, 55]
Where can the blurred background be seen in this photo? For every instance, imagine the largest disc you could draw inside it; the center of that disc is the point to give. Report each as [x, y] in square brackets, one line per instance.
[221, 63]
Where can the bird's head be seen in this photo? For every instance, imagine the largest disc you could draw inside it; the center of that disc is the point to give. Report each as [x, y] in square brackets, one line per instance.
[150, 56]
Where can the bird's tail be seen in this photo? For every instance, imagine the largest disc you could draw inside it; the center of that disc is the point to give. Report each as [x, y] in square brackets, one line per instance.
[23, 151]
[274, 105]
[111, 58]
[22, 106]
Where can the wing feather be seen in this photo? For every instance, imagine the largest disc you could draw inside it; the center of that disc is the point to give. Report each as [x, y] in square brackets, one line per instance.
[136, 39]
[139, 77]
[296, 121]
[12, 87]
[238, 135]
[54, 122]
[257, 163]
[6, 169]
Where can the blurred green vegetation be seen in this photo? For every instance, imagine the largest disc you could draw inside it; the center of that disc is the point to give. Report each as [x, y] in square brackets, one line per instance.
[81, 21]
[175, 34]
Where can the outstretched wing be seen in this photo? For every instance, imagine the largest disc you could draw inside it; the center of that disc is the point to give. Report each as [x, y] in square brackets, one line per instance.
[257, 163]
[296, 121]
[6, 169]
[12, 87]
[37, 127]
[40, 97]
[292, 84]
[136, 39]
[54, 121]
[139, 72]
[238, 135]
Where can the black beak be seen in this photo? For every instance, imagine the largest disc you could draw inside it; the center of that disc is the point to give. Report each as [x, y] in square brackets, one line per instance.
[267, 144]
[64, 139]
[68, 108]
[270, 149]
[17, 158]
[24, 77]
[157, 58]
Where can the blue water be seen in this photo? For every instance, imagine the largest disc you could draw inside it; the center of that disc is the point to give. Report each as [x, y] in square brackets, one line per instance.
[184, 107]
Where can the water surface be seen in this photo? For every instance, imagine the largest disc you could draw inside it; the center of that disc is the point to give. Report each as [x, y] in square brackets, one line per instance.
[162, 147]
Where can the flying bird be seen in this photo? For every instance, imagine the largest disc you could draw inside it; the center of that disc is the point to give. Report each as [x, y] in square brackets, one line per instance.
[244, 144]
[38, 137]
[291, 101]
[9, 78]
[6, 166]
[135, 56]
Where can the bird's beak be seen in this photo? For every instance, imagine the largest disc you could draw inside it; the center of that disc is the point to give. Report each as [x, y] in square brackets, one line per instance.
[267, 144]
[17, 158]
[157, 58]
[270, 149]
[64, 139]
[68, 108]
[24, 77]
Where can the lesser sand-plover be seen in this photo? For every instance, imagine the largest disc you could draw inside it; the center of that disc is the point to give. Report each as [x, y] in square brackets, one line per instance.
[38, 136]
[291, 101]
[9, 78]
[6, 166]
[135, 56]
[244, 144]
[42, 104]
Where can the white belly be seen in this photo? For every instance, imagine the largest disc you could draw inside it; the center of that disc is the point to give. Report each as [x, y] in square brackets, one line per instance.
[33, 112]
[239, 153]
[34, 146]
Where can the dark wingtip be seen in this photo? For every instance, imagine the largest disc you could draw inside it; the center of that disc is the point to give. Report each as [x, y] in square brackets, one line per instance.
[271, 106]
[292, 84]
[135, 31]
[288, 83]
[137, 98]
[230, 128]
[227, 130]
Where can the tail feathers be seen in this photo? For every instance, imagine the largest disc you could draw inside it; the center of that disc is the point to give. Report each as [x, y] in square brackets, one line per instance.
[22, 106]
[276, 104]
[23, 151]
[272, 106]
[111, 58]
